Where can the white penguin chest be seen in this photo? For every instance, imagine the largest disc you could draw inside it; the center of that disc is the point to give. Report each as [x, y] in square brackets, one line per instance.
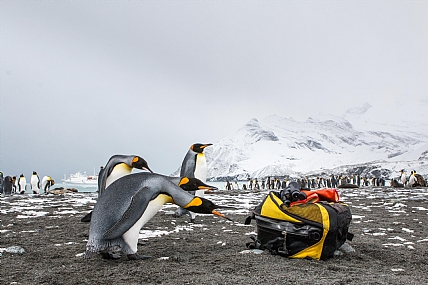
[201, 167]
[131, 236]
[34, 181]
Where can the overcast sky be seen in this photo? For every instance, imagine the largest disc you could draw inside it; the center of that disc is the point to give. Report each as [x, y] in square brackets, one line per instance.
[84, 80]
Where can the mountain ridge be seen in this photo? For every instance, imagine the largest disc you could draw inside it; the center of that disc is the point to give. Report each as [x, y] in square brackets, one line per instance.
[357, 142]
[278, 146]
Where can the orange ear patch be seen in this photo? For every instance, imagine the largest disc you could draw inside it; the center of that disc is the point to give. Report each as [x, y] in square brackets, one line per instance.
[135, 159]
[183, 180]
[196, 202]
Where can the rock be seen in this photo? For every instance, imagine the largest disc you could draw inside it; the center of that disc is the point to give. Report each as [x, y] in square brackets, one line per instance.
[15, 249]
[346, 248]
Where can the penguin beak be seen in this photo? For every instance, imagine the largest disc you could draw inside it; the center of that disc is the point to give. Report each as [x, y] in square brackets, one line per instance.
[221, 215]
[148, 169]
[207, 187]
[205, 145]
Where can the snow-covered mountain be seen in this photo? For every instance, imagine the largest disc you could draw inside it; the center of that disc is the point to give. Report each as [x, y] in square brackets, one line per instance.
[356, 141]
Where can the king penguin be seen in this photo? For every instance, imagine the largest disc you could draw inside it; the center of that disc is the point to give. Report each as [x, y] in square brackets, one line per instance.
[185, 183]
[7, 185]
[35, 183]
[403, 177]
[128, 204]
[194, 165]
[412, 179]
[22, 184]
[1, 182]
[47, 182]
[117, 166]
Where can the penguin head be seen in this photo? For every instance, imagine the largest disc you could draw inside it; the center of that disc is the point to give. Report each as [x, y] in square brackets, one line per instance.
[204, 206]
[192, 184]
[34, 173]
[139, 163]
[199, 148]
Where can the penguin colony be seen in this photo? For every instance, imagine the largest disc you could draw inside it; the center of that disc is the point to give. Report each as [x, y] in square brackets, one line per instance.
[332, 181]
[127, 201]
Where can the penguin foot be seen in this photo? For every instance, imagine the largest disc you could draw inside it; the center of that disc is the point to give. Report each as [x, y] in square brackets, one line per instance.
[136, 256]
[110, 255]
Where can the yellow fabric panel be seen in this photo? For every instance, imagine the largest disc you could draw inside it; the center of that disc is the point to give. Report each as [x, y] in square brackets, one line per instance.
[307, 211]
[315, 250]
[271, 210]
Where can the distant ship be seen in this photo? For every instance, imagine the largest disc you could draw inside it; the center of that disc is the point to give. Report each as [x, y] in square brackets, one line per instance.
[81, 179]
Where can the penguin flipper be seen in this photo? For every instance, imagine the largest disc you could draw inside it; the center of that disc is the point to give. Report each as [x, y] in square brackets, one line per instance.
[132, 214]
[87, 218]
[188, 166]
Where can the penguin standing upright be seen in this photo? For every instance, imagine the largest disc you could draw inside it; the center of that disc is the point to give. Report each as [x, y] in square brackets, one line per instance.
[403, 177]
[1, 182]
[194, 165]
[118, 166]
[35, 183]
[15, 184]
[47, 182]
[22, 184]
[7, 185]
[412, 179]
[128, 204]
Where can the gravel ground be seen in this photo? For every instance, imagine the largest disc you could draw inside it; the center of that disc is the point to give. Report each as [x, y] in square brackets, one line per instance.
[390, 244]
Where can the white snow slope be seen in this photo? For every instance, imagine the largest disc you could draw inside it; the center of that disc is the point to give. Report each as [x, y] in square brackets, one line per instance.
[277, 146]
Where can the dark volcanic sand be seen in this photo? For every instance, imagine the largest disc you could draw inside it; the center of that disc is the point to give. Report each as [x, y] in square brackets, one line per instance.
[211, 253]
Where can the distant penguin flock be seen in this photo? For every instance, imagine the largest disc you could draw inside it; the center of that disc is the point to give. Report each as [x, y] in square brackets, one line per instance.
[11, 185]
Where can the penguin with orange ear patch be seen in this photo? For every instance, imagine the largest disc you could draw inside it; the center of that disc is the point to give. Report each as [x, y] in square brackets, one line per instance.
[117, 166]
[194, 165]
[128, 204]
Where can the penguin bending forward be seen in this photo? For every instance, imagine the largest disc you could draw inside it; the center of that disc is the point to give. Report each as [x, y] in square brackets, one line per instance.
[128, 204]
[185, 183]
[47, 182]
[118, 166]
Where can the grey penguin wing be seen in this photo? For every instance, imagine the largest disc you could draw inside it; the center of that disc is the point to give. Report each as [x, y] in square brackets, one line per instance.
[188, 166]
[132, 214]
